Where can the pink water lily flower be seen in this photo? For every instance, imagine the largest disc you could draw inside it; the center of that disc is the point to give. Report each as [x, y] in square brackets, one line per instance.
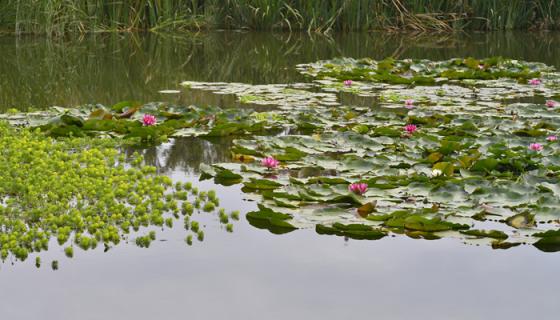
[480, 67]
[358, 188]
[535, 82]
[149, 120]
[551, 138]
[270, 162]
[551, 103]
[410, 128]
[536, 147]
[409, 103]
[348, 83]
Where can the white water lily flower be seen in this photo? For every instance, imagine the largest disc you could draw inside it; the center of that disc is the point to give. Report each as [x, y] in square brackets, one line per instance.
[436, 173]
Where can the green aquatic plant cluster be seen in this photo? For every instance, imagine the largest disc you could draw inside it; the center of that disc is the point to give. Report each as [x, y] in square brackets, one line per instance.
[471, 155]
[127, 120]
[83, 193]
[423, 72]
[466, 159]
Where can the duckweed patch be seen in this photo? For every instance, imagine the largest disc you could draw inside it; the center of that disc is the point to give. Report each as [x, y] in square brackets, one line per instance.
[81, 193]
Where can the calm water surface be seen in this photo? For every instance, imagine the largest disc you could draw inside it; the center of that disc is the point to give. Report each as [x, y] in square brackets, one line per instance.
[251, 273]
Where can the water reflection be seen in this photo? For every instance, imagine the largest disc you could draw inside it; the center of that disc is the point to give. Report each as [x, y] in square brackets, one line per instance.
[185, 154]
[108, 68]
[252, 273]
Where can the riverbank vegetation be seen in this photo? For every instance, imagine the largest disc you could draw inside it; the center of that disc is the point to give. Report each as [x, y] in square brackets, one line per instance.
[57, 17]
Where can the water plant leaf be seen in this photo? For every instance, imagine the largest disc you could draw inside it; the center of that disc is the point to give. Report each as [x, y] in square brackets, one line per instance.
[367, 208]
[548, 244]
[268, 219]
[446, 168]
[496, 234]
[521, 220]
[353, 231]
[466, 162]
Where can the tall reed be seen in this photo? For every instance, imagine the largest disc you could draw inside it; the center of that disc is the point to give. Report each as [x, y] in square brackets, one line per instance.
[64, 16]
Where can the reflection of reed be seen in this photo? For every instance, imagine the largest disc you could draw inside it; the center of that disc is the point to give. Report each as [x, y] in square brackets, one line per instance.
[111, 68]
[209, 98]
[185, 154]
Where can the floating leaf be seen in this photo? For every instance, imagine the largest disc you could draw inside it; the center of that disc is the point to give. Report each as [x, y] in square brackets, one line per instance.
[367, 208]
[484, 233]
[354, 231]
[521, 220]
[268, 219]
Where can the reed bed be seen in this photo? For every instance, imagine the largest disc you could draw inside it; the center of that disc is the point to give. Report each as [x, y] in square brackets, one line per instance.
[58, 17]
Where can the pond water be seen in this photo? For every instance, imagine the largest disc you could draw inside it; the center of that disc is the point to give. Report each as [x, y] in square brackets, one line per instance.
[251, 273]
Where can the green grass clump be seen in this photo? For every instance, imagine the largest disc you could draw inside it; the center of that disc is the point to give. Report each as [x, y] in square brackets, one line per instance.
[224, 218]
[69, 252]
[169, 222]
[209, 207]
[202, 195]
[187, 208]
[235, 215]
[143, 241]
[195, 226]
[85, 242]
[182, 195]
[188, 239]
[178, 186]
[212, 195]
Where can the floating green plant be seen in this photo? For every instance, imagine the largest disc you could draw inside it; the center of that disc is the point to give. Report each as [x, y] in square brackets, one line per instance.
[195, 226]
[81, 192]
[448, 148]
[223, 218]
[69, 252]
[424, 72]
[189, 239]
[209, 206]
[438, 149]
[235, 215]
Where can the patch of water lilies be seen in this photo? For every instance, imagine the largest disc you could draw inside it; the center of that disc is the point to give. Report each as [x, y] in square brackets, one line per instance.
[430, 162]
[83, 193]
[426, 72]
[463, 148]
[143, 123]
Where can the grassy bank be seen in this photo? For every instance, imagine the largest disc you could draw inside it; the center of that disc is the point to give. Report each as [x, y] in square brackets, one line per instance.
[63, 16]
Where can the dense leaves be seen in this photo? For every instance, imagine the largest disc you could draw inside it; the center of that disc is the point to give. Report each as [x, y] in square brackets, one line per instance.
[464, 166]
[83, 193]
[455, 148]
